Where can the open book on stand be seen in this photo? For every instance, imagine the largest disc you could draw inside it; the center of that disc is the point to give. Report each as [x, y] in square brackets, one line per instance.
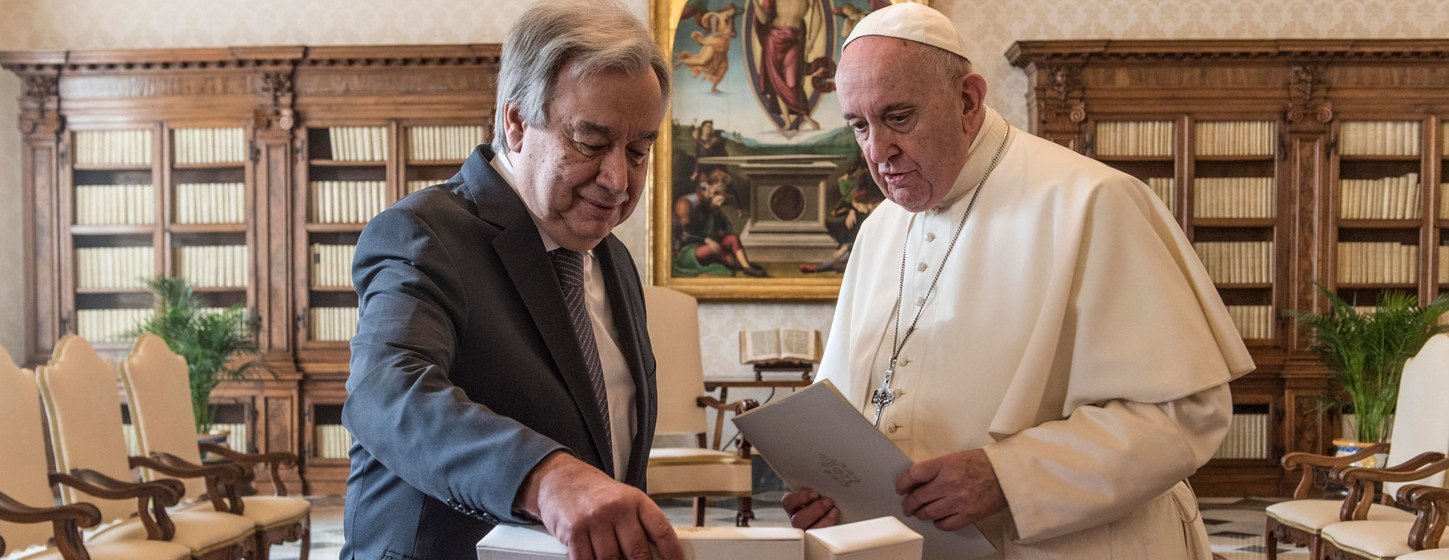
[780, 345]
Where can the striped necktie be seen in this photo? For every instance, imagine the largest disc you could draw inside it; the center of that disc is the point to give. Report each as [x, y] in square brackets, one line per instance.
[569, 266]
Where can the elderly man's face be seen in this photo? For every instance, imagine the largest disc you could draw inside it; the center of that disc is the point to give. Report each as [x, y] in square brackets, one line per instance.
[914, 128]
[581, 173]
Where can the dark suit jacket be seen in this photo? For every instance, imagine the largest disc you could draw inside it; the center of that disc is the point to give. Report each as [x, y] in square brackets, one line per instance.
[465, 369]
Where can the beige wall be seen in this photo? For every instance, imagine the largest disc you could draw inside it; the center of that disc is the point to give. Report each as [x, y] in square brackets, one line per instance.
[989, 27]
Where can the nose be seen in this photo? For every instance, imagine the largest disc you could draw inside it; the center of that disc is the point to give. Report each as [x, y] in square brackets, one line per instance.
[880, 145]
[614, 171]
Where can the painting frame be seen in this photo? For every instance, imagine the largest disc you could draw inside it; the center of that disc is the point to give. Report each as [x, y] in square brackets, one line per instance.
[664, 16]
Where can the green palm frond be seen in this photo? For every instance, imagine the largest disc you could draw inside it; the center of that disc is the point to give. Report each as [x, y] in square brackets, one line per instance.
[1367, 351]
[218, 345]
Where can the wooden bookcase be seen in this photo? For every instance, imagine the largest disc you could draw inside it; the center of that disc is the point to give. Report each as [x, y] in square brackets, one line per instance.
[1320, 112]
[222, 147]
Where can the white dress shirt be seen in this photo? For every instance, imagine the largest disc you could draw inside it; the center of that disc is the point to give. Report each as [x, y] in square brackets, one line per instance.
[618, 381]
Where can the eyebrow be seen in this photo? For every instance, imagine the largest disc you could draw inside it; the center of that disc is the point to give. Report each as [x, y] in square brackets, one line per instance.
[594, 128]
[888, 108]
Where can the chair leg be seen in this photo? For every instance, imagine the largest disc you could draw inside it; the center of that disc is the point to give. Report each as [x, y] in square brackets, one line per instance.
[263, 547]
[1270, 542]
[306, 538]
[700, 503]
[1315, 548]
[746, 513]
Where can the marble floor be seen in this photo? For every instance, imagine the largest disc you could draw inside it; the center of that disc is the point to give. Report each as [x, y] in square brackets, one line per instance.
[1235, 525]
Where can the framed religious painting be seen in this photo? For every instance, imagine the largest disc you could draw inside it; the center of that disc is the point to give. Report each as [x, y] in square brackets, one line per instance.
[759, 187]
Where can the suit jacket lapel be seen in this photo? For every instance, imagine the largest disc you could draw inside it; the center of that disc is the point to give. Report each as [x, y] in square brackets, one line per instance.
[521, 250]
[628, 325]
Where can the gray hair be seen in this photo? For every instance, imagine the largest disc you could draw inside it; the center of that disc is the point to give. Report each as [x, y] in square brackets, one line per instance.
[595, 37]
[946, 63]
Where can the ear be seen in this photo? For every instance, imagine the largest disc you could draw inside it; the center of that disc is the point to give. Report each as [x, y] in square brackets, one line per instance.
[513, 127]
[973, 99]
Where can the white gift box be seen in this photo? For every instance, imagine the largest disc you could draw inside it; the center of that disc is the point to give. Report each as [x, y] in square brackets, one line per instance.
[516, 542]
[883, 538]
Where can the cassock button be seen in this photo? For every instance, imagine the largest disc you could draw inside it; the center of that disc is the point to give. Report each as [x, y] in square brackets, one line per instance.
[893, 427]
[930, 237]
[921, 267]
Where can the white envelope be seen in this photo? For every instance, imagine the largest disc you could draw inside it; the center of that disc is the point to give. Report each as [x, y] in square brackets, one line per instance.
[532, 542]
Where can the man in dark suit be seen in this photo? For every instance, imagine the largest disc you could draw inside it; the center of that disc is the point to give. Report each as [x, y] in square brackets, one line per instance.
[502, 371]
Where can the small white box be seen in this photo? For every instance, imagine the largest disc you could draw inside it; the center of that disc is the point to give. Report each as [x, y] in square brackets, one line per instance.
[882, 538]
[741, 543]
[519, 542]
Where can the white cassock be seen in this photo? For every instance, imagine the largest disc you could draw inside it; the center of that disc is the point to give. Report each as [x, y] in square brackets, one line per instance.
[1074, 335]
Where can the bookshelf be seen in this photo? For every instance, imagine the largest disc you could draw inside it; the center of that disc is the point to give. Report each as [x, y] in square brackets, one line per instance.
[1289, 164]
[252, 173]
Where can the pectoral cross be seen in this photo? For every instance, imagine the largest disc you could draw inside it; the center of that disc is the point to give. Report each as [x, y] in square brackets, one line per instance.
[885, 395]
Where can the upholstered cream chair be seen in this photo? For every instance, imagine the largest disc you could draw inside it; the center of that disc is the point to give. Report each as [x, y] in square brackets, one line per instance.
[1420, 437]
[157, 387]
[83, 406]
[28, 514]
[699, 472]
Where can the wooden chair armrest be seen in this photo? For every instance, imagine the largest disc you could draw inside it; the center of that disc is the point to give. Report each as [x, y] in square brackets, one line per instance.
[83, 514]
[220, 479]
[1417, 462]
[152, 497]
[274, 461]
[165, 492]
[1360, 484]
[1311, 462]
[66, 521]
[1430, 504]
[716, 404]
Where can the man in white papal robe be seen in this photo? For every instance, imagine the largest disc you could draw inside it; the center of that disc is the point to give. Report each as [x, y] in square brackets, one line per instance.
[1070, 367]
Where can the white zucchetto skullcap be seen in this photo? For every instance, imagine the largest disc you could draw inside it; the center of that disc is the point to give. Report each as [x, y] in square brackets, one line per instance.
[913, 22]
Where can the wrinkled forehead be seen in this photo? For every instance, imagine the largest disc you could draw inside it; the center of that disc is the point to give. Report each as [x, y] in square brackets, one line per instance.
[879, 71]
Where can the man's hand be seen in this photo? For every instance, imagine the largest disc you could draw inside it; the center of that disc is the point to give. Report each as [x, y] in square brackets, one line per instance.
[953, 490]
[596, 517]
[808, 510]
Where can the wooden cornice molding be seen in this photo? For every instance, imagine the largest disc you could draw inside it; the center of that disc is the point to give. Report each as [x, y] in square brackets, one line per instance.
[25, 62]
[1024, 53]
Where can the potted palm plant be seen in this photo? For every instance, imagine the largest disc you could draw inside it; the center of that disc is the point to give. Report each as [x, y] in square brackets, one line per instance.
[1367, 351]
[219, 345]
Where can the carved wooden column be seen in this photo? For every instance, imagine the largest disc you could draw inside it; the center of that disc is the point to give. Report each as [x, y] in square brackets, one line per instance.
[1309, 117]
[273, 124]
[1056, 103]
[42, 158]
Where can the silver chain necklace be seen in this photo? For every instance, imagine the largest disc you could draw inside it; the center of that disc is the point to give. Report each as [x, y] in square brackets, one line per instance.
[885, 395]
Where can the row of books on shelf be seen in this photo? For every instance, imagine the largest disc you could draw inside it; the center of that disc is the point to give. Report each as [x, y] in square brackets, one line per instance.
[109, 325]
[1234, 138]
[435, 143]
[1254, 322]
[420, 184]
[333, 441]
[114, 268]
[358, 143]
[1387, 198]
[1163, 187]
[1444, 200]
[347, 202]
[113, 147]
[213, 266]
[115, 205]
[1247, 437]
[210, 145]
[333, 324]
[211, 203]
[1233, 197]
[1134, 138]
[1377, 262]
[332, 265]
[1379, 138]
[1237, 262]
[236, 437]
[1444, 265]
